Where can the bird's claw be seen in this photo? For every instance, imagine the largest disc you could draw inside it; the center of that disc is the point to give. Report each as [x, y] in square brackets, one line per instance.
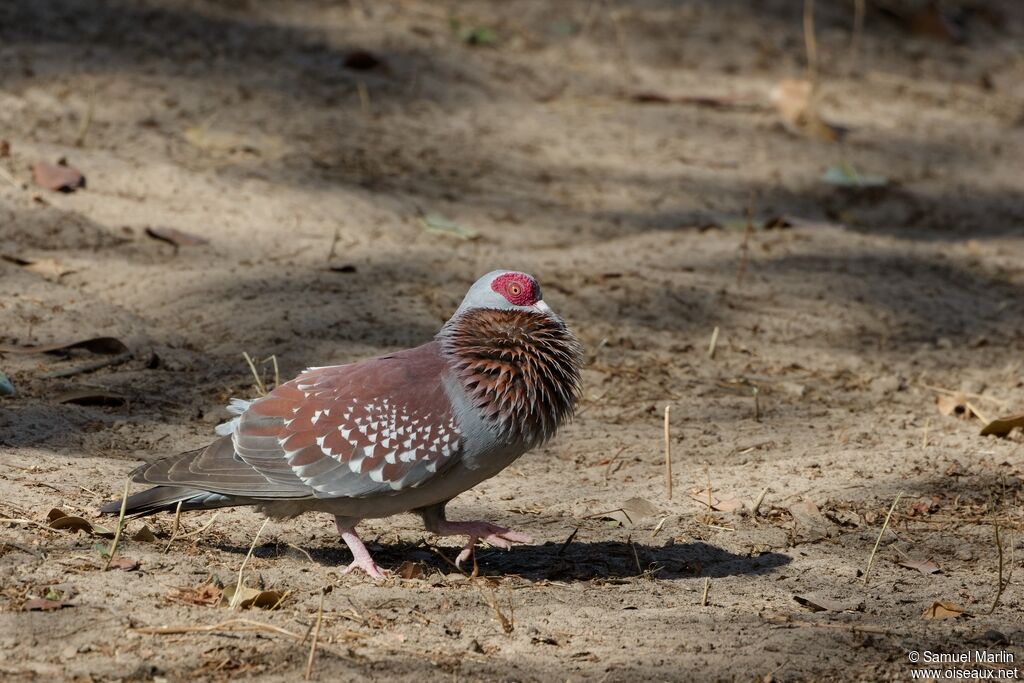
[368, 566]
[492, 535]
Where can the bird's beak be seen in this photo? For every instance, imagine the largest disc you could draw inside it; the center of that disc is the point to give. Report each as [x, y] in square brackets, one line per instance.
[542, 307]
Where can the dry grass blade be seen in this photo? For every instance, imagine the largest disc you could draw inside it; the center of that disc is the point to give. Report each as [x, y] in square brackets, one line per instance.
[810, 42]
[236, 599]
[120, 525]
[201, 530]
[707, 588]
[260, 388]
[713, 343]
[878, 541]
[668, 455]
[1002, 586]
[177, 525]
[229, 626]
[316, 635]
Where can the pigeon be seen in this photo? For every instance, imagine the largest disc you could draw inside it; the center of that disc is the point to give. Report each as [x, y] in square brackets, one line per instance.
[403, 432]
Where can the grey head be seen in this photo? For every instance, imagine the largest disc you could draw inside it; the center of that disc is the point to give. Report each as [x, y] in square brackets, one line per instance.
[505, 290]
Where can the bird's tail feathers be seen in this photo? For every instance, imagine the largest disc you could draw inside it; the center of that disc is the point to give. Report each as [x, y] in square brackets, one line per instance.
[166, 498]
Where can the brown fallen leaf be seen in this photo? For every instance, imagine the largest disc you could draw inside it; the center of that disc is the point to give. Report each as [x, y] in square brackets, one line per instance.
[930, 22]
[206, 594]
[727, 505]
[58, 519]
[809, 524]
[49, 268]
[1001, 426]
[101, 345]
[631, 512]
[42, 604]
[409, 570]
[924, 566]
[179, 238]
[59, 176]
[797, 106]
[818, 603]
[251, 597]
[124, 563]
[944, 610]
[145, 534]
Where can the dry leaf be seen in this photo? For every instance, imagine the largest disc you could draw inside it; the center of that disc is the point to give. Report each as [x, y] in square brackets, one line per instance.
[923, 566]
[410, 570]
[727, 505]
[207, 594]
[251, 597]
[1001, 426]
[124, 563]
[145, 534]
[42, 604]
[179, 238]
[795, 101]
[810, 524]
[61, 520]
[102, 345]
[632, 511]
[943, 610]
[817, 603]
[59, 177]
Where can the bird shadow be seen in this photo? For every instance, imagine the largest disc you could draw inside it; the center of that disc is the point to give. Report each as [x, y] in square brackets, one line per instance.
[579, 561]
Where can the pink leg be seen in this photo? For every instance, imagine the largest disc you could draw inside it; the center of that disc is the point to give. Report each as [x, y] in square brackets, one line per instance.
[361, 556]
[492, 534]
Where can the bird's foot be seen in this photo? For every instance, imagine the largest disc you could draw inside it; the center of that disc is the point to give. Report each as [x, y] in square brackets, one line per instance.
[491, 534]
[367, 565]
[360, 555]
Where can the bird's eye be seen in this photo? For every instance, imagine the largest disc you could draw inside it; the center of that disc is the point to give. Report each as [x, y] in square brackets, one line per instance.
[515, 289]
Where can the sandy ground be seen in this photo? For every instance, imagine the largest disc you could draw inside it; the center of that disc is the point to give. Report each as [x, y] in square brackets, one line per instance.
[248, 124]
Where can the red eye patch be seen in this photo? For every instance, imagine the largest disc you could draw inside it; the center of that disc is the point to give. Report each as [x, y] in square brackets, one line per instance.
[516, 287]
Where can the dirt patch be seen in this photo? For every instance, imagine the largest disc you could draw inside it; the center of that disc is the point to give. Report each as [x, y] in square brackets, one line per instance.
[307, 141]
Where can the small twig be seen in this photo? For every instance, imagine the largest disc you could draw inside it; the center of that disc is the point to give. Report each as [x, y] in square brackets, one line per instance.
[707, 587]
[262, 390]
[236, 599]
[506, 625]
[668, 455]
[950, 392]
[277, 371]
[364, 97]
[316, 634]
[561, 551]
[202, 529]
[86, 123]
[924, 438]
[657, 529]
[760, 499]
[1001, 587]
[18, 520]
[810, 43]
[120, 525]
[713, 343]
[757, 405]
[878, 541]
[977, 413]
[858, 29]
[308, 556]
[636, 558]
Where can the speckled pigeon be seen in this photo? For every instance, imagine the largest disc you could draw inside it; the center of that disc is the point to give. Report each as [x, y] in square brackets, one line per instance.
[403, 432]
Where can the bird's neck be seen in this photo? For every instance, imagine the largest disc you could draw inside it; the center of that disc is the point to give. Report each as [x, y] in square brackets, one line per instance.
[519, 369]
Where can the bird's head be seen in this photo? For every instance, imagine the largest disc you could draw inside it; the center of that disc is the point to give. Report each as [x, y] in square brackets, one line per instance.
[505, 290]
